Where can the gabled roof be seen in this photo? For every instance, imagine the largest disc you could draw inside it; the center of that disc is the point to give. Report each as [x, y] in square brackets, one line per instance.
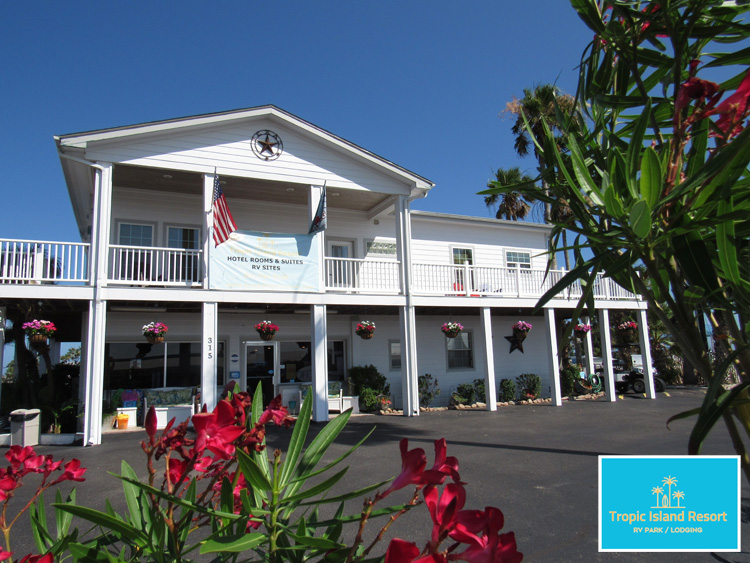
[83, 139]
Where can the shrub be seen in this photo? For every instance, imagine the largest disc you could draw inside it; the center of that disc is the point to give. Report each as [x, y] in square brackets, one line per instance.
[568, 378]
[479, 388]
[529, 386]
[361, 377]
[465, 394]
[428, 389]
[368, 400]
[507, 390]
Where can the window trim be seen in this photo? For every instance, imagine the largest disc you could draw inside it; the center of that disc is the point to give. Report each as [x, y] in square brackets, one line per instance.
[120, 222]
[517, 251]
[473, 367]
[452, 256]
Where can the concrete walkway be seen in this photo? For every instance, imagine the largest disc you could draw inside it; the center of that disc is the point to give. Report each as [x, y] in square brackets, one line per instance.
[537, 463]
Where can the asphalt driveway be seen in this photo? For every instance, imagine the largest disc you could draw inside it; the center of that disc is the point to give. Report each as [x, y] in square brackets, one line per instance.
[538, 464]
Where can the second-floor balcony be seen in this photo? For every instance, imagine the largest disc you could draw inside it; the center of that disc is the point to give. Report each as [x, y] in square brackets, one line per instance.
[44, 262]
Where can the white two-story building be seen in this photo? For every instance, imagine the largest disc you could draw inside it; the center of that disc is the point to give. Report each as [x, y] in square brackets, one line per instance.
[143, 200]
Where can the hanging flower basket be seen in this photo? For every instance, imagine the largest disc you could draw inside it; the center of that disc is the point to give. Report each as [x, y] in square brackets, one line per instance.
[582, 330]
[266, 330]
[365, 330]
[627, 330]
[521, 330]
[154, 332]
[39, 331]
[451, 329]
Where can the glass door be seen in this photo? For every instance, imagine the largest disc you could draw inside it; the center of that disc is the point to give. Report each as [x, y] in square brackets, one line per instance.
[262, 366]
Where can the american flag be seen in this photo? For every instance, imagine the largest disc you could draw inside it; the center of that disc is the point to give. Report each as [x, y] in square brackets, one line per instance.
[223, 223]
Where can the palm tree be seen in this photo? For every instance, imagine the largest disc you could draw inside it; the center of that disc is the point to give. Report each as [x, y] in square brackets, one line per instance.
[539, 105]
[669, 481]
[678, 495]
[657, 491]
[511, 205]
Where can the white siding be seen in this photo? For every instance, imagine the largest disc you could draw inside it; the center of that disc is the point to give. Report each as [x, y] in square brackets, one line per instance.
[227, 148]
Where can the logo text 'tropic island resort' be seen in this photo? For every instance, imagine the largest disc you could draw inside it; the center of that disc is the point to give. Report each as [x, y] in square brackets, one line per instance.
[669, 506]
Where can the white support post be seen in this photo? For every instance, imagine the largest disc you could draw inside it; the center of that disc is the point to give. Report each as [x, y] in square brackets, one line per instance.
[554, 359]
[209, 346]
[409, 374]
[208, 229]
[490, 392]
[319, 351]
[648, 371]
[518, 280]
[407, 314]
[609, 374]
[589, 349]
[93, 376]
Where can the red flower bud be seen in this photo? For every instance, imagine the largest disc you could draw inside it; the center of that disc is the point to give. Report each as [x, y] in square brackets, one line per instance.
[151, 422]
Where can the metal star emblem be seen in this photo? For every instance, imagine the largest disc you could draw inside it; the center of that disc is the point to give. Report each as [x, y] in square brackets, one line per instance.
[515, 344]
[267, 145]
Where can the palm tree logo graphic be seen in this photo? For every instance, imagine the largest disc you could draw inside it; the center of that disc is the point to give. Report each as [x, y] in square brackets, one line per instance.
[665, 500]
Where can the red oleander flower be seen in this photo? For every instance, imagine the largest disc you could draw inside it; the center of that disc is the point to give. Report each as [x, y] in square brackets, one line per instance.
[401, 551]
[38, 559]
[7, 485]
[217, 430]
[277, 413]
[23, 459]
[734, 109]
[412, 466]
[694, 89]
[151, 422]
[444, 509]
[443, 467]
[176, 468]
[71, 472]
[491, 546]
[4, 555]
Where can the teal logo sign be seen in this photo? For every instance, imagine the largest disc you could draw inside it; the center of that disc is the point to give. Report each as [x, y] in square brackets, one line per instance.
[669, 503]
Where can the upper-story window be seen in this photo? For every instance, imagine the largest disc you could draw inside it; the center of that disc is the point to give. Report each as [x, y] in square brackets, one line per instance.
[514, 259]
[463, 255]
[136, 235]
[183, 237]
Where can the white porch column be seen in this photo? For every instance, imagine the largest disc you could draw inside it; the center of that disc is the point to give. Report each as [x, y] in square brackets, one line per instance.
[93, 372]
[209, 346]
[489, 360]
[554, 358]
[648, 371]
[609, 374]
[319, 352]
[407, 314]
[96, 327]
[208, 229]
[588, 348]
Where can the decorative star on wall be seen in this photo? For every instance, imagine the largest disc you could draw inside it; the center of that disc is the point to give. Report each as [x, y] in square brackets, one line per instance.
[516, 343]
[267, 145]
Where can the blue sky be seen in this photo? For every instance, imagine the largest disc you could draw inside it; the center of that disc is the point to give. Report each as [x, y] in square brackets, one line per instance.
[419, 83]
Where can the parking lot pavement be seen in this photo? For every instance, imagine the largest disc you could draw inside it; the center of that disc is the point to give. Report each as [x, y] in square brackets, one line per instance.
[537, 463]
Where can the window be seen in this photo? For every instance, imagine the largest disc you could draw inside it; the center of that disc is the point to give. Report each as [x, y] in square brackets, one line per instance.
[460, 351]
[394, 353]
[463, 255]
[379, 248]
[136, 235]
[514, 259]
[183, 237]
[296, 362]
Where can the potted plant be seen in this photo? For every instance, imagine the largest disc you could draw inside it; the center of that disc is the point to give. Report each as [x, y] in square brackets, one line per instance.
[581, 330]
[521, 329]
[266, 330]
[365, 329]
[627, 330]
[452, 329]
[39, 331]
[154, 332]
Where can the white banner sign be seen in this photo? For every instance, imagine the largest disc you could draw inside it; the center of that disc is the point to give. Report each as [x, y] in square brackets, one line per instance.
[266, 261]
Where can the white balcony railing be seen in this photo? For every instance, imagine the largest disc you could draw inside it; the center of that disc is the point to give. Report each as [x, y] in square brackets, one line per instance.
[361, 276]
[147, 265]
[36, 262]
[463, 280]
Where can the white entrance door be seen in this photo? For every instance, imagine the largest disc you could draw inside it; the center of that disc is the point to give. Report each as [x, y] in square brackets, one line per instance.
[340, 272]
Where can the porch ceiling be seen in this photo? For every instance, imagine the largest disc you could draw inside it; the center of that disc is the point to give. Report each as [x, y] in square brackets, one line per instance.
[191, 183]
